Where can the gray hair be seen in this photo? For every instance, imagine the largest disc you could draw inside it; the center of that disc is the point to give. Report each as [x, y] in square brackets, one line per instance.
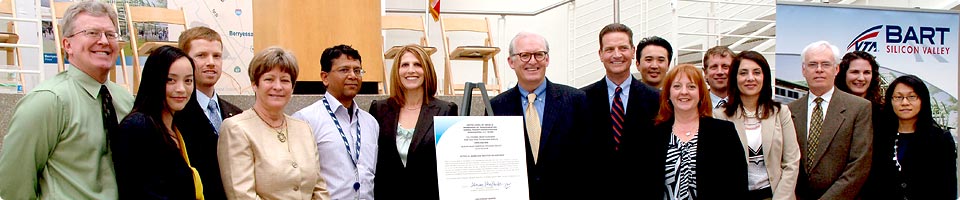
[821, 44]
[92, 8]
[523, 34]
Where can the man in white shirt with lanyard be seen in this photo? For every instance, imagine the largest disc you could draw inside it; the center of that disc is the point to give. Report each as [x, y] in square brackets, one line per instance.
[346, 136]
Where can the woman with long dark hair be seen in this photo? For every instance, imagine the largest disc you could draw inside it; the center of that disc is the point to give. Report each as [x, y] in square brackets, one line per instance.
[148, 151]
[765, 127]
[914, 157]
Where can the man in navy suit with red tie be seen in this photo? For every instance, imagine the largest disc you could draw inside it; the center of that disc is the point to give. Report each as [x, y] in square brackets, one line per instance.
[621, 108]
[553, 114]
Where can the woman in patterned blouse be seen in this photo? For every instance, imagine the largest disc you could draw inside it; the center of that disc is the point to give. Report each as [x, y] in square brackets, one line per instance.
[694, 155]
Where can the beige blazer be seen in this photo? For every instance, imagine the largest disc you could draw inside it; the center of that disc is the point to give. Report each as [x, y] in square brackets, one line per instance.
[781, 152]
[254, 163]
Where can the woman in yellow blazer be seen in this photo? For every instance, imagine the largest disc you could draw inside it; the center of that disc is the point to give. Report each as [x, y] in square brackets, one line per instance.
[264, 153]
[765, 128]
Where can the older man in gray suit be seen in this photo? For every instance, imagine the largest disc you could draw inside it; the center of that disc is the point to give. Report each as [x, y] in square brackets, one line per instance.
[834, 130]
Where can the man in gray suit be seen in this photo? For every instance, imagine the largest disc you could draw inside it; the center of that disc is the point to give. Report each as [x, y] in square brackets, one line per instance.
[833, 128]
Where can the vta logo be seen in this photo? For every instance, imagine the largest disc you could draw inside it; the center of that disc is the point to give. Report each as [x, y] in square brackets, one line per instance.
[861, 42]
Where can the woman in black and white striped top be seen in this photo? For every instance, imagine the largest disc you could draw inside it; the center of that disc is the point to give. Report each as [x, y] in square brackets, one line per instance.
[694, 155]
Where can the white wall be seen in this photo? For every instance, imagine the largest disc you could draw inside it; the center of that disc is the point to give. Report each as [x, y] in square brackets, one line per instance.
[554, 25]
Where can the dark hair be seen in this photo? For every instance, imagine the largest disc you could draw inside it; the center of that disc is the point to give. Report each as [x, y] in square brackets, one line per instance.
[326, 59]
[271, 58]
[151, 97]
[873, 93]
[614, 28]
[765, 104]
[655, 41]
[704, 109]
[925, 116]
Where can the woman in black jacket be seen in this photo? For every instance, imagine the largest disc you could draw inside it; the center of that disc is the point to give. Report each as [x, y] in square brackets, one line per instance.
[915, 158]
[407, 159]
[148, 153]
[689, 154]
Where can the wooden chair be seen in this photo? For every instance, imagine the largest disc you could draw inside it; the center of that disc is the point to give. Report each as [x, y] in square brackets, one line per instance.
[137, 14]
[7, 8]
[59, 9]
[485, 53]
[409, 23]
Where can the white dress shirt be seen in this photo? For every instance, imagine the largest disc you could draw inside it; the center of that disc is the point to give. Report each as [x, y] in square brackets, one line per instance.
[823, 106]
[336, 165]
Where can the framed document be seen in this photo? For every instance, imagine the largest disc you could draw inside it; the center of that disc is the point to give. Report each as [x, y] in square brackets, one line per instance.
[481, 157]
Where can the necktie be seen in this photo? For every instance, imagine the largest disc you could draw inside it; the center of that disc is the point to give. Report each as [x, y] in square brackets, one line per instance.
[212, 113]
[616, 115]
[533, 125]
[108, 114]
[813, 138]
[721, 103]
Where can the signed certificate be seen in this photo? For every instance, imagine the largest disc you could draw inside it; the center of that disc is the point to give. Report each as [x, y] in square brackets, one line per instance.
[481, 157]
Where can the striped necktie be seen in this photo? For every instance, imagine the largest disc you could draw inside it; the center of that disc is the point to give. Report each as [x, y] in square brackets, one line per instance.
[617, 115]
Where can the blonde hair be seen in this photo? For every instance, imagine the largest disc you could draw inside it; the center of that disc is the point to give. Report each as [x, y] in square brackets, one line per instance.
[270, 58]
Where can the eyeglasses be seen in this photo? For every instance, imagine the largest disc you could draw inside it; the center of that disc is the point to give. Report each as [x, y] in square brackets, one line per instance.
[525, 56]
[96, 34]
[355, 71]
[814, 65]
[912, 98]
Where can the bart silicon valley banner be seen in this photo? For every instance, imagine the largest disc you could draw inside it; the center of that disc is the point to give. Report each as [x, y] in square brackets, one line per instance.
[904, 41]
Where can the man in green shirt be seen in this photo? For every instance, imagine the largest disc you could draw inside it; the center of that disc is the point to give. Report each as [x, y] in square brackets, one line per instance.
[56, 147]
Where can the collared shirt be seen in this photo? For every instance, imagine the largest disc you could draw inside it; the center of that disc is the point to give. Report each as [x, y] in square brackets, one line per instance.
[539, 103]
[624, 92]
[56, 147]
[336, 165]
[716, 99]
[823, 105]
[204, 101]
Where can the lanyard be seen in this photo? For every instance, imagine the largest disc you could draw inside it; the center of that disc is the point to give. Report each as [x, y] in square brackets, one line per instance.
[344, 136]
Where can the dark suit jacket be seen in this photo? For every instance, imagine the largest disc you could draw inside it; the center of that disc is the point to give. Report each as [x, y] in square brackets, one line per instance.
[557, 173]
[642, 106]
[929, 166]
[148, 163]
[843, 158]
[201, 140]
[721, 172]
[418, 179]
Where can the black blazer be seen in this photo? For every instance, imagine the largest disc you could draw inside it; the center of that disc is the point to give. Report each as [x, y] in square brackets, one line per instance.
[148, 163]
[721, 172]
[201, 140]
[557, 173]
[642, 106]
[418, 180]
[929, 166]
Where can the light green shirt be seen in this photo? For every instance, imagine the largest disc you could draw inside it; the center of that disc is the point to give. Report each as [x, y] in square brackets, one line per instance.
[56, 147]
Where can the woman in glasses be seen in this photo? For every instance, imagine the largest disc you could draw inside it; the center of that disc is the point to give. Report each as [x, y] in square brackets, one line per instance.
[406, 162]
[914, 158]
